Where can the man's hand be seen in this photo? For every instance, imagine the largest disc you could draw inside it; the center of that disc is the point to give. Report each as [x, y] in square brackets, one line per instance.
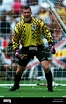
[52, 49]
[17, 54]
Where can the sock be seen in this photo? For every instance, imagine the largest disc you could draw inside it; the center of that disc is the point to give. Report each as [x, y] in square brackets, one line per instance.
[49, 79]
[17, 79]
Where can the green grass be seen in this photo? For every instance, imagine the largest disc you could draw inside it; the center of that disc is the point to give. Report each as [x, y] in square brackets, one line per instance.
[33, 91]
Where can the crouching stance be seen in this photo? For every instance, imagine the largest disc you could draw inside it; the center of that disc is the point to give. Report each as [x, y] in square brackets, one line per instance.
[29, 32]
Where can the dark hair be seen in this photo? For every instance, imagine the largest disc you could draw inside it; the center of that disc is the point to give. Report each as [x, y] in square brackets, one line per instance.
[26, 7]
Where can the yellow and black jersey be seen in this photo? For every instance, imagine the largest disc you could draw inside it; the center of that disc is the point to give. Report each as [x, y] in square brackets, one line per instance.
[31, 33]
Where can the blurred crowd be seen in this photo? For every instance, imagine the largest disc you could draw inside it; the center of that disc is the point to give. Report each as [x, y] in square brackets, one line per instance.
[11, 13]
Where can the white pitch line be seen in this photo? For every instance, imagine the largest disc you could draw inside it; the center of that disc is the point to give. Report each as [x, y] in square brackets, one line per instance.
[1, 96]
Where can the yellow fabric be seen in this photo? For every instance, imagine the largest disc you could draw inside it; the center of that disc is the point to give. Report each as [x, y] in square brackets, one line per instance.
[62, 13]
[30, 33]
[43, 15]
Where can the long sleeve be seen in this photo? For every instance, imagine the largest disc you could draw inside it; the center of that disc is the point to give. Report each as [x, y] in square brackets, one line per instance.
[16, 38]
[47, 34]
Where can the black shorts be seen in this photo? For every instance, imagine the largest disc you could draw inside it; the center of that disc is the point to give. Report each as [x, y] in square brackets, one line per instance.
[28, 53]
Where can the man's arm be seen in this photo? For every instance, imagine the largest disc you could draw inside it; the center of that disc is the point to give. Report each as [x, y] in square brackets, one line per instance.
[16, 37]
[47, 34]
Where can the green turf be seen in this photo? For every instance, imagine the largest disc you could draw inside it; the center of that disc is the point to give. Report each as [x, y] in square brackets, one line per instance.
[33, 91]
[39, 91]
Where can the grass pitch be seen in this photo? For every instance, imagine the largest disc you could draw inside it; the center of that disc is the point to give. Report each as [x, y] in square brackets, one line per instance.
[32, 94]
[33, 91]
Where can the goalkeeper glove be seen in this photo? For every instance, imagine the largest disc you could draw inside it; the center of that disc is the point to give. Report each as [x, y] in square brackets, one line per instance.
[52, 49]
[17, 54]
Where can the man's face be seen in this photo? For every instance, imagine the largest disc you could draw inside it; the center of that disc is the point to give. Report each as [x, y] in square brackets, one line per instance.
[27, 14]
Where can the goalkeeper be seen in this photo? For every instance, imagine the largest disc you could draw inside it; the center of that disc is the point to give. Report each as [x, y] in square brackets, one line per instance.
[29, 32]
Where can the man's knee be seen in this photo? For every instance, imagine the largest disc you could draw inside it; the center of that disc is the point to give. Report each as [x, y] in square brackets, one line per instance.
[20, 69]
[45, 65]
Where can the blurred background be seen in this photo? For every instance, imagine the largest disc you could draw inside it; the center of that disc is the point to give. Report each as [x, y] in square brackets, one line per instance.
[53, 13]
